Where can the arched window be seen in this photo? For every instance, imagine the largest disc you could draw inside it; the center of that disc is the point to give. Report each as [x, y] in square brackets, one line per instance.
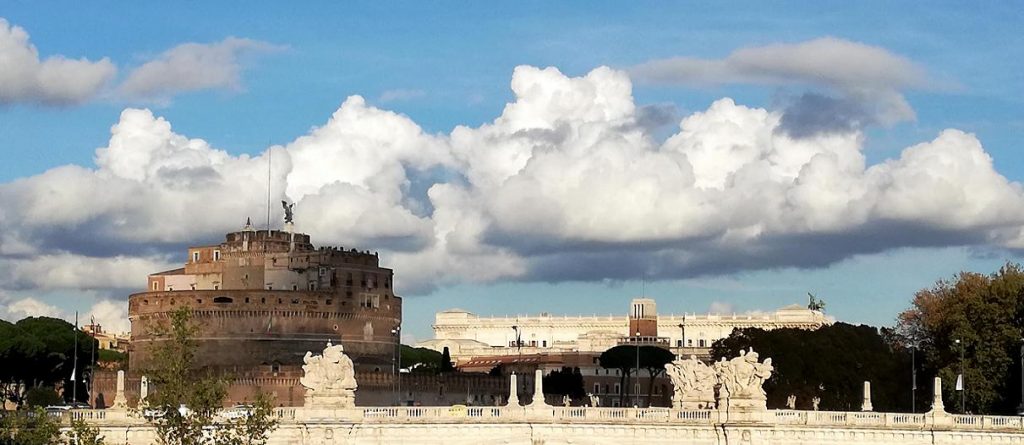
[223, 300]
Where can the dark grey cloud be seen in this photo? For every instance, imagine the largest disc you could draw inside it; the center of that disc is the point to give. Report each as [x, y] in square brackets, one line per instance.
[812, 113]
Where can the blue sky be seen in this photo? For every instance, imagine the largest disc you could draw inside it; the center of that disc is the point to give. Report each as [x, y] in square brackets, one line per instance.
[450, 64]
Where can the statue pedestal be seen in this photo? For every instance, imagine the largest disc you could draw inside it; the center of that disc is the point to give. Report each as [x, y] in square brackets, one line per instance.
[339, 400]
[695, 401]
[748, 414]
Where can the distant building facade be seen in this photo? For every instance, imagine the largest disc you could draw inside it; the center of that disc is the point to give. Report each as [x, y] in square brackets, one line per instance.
[264, 298]
[108, 340]
[469, 336]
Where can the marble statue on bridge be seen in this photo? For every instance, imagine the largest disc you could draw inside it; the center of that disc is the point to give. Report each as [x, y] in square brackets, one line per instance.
[694, 384]
[329, 379]
[742, 379]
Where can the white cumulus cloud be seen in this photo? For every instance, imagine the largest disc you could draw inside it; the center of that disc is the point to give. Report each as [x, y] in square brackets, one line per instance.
[869, 79]
[567, 183]
[192, 67]
[55, 80]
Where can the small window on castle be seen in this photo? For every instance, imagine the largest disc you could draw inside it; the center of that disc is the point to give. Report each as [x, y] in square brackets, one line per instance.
[279, 301]
[263, 300]
[246, 299]
[295, 301]
[216, 255]
[295, 287]
[195, 257]
[193, 286]
[145, 302]
[223, 300]
[156, 286]
[216, 287]
[199, 301]
[329, 301]
[312, 285]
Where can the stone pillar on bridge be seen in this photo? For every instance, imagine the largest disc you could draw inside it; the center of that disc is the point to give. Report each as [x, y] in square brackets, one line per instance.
[538, 391]
[866, 405]
[513, 391]
[120, 401]
[937, 416]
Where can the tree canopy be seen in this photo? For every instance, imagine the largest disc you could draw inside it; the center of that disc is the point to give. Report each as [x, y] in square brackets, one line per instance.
[178, 382]
[626, 357]
[831, 363]
[566, 381]
[420, 359]
[44, 349]
[984, 312]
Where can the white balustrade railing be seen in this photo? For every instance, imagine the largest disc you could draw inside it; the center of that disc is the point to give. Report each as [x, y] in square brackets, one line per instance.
[558, 414]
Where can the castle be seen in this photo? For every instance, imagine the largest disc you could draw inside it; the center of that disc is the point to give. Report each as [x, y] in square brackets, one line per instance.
[262, 298]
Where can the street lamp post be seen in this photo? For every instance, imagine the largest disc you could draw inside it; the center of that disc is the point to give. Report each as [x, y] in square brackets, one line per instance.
[963, 379]
[682, 337]
[1020, 409]
[636, 385]
[913, 381]
[397, 332]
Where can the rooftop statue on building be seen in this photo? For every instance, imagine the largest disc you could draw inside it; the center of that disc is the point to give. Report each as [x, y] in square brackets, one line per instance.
[288, 215]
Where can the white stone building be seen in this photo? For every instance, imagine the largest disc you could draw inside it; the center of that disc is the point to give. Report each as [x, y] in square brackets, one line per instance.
[468, 335]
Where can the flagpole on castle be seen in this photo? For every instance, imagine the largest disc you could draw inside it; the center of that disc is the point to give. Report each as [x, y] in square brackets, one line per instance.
[92, 361]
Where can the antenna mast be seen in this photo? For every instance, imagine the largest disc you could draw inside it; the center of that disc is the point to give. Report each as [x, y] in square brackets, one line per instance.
[270, 162]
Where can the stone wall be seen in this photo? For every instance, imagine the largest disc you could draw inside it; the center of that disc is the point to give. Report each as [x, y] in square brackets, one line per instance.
[375, 388]
[248, 328]
[549, 426]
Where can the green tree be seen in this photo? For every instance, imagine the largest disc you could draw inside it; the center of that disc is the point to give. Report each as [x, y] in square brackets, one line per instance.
[830, 363]
[82, 434]
[42, 396]
[984, 312]
[446, 361]
[623, 358]
[420, 359]
[654, 359]
[626, 357]
[32, 427]
[565, 382]
[44, 349]
[187, 400]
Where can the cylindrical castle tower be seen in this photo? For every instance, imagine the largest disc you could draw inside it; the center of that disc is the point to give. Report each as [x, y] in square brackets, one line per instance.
[267, 297]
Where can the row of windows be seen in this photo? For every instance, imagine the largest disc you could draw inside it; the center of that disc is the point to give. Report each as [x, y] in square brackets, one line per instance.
[368, 301]
[530, 343]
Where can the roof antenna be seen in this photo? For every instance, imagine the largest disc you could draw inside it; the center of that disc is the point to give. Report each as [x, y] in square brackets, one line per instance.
[270, 162]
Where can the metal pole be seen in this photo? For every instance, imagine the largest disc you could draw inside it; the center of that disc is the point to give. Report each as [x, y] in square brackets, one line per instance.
[92, 366]
[913, 381]
[636, 389]
[1020, 409]
[74, 366]
[399, 329]
[963, 378]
